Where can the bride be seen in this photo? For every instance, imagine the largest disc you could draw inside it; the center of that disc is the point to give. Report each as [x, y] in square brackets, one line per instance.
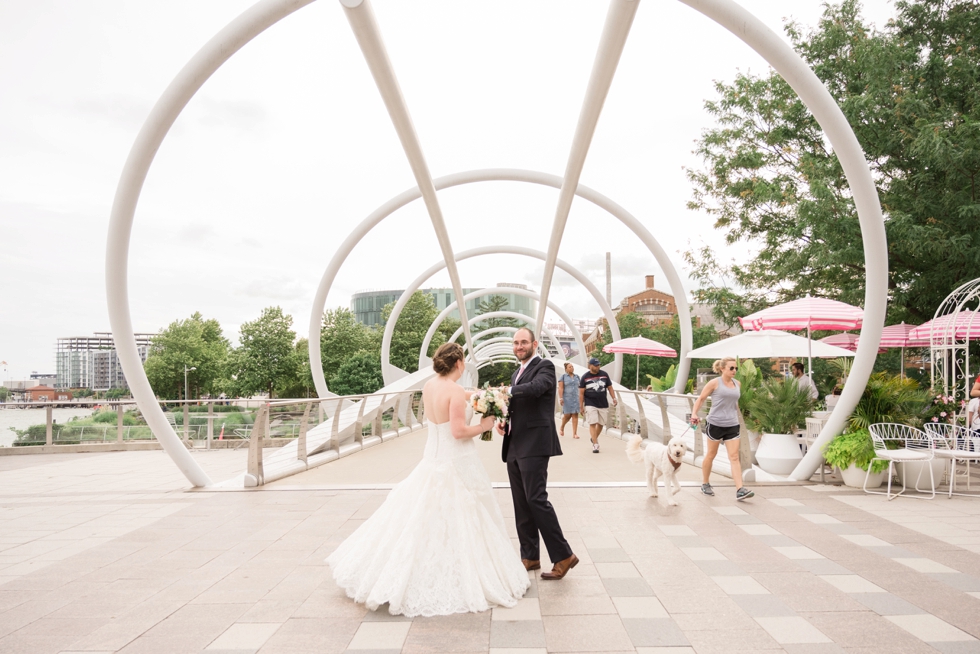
[437, 545]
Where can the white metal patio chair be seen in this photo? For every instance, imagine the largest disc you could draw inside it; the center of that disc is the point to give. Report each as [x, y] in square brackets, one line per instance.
[915, 445]
[953, 443]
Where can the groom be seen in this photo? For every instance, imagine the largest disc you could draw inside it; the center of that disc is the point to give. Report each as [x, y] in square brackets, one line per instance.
[530, 439]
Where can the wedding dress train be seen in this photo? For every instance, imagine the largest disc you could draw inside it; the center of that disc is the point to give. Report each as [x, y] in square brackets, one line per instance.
[437, 545]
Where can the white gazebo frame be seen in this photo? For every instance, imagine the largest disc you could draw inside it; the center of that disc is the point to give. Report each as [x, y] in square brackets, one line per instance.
[950, 354]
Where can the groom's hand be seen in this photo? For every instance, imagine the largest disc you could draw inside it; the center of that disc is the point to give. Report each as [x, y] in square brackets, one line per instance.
[500, 428]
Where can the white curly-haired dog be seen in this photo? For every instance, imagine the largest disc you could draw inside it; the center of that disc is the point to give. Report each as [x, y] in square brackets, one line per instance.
[660, 459]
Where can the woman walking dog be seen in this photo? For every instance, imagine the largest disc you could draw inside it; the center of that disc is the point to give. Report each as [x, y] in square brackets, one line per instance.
[722, 424]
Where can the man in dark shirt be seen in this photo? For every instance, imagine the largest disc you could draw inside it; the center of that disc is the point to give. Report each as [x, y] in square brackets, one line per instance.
[592, 399]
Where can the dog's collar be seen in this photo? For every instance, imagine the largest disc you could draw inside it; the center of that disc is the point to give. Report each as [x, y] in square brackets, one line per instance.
[676, 464]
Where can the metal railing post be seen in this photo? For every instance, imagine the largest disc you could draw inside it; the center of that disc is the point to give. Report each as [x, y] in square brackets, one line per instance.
[744, 447]
[665, 417]
[698, 440]
[621, 417]
[359, 422]
[301, 439]
[377, 425]
[48, 427]
[395, 416]
[119, 423]
[255, 467]
[642, 419]
[210, 422]
[187, 424]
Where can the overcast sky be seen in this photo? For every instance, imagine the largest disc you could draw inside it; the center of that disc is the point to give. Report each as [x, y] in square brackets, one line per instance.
[288, 146]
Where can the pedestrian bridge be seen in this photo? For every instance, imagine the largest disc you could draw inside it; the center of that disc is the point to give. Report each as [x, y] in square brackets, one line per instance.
[336, 428]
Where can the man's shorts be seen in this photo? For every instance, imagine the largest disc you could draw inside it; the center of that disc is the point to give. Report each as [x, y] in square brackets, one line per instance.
[596, 416]
[716, 433]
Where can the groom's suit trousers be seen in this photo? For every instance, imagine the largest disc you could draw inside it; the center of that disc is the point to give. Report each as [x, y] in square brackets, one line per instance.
[533, 512]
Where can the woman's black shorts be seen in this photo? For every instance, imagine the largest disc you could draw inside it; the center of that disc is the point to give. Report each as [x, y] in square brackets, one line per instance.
[716, 433]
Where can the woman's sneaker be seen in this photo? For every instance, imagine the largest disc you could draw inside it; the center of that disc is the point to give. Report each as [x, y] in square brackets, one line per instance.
[743, 493]
[707, 489]
[595, 448]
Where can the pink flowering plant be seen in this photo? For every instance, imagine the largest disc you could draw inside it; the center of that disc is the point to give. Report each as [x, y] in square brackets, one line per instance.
[943, 408]
[491, 401]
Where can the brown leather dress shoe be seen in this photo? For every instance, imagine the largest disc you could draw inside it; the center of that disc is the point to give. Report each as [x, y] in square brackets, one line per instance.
[561, 568]
[531, 564]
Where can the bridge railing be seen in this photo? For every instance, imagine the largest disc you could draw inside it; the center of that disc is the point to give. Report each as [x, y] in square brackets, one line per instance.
[327, 429]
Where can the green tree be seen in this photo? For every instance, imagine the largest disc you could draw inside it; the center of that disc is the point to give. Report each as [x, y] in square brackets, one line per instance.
[358, 375]
[911, 92]
[4, 393]
[410, 330]
[668, 333]
[265, 358]
[341, 337]
[196, 343]
[300, 384]
[491, 304]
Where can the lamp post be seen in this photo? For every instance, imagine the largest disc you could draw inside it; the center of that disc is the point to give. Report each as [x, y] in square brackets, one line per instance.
[187, 426]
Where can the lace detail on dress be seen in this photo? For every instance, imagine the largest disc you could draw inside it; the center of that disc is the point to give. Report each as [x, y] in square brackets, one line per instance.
[437, 545]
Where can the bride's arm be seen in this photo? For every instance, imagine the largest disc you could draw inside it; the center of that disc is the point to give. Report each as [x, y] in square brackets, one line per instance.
[457, 418]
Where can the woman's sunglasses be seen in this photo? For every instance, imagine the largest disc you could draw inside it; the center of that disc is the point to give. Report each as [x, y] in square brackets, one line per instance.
[733, 367]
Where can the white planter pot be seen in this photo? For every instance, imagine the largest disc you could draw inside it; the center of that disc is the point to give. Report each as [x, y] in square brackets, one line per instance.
[854, 477]
[821, 415]
[908, 472]
[778, 454]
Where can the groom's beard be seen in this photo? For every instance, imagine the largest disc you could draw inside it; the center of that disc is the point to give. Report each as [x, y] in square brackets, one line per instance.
[524, 355]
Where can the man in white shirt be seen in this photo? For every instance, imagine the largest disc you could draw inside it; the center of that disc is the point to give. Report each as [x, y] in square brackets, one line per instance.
[804, 381]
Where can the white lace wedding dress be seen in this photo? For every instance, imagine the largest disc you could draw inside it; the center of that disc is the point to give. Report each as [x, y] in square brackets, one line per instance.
[437, 545]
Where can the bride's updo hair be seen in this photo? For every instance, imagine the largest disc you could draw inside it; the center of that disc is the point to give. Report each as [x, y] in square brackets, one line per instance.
[445, 358]
[720, 364]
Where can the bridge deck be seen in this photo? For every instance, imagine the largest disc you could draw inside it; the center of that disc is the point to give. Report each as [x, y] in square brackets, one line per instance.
[109, 553]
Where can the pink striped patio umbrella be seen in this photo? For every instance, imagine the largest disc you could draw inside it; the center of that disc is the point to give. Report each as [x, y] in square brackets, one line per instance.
[965, 327]
[639, 345]
[847, 341]
[900, 336]
[807, 313]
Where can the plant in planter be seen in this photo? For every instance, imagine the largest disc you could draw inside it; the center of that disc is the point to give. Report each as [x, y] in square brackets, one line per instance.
[851, 453]
[778, 409]
[889, 398]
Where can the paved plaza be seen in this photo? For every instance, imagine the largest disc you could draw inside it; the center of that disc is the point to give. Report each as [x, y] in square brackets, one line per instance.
[112, 553]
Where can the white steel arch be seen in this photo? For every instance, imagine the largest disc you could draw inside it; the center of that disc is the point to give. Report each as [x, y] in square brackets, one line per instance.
[391, 373]
[511, 330]
[523, 292]
[266, 13]
[512, 314]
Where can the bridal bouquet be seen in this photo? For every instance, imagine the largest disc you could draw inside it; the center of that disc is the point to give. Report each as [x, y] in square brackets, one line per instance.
[491, 402]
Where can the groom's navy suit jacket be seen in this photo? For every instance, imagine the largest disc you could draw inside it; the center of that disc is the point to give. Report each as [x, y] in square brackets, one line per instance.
[531, 430]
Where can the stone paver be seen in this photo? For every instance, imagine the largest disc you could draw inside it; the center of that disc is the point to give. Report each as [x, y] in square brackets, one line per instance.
[110, 553]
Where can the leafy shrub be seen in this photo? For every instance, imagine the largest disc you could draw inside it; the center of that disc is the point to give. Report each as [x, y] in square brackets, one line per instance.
[889, 398]
[109, 417]
[779, 407]
[855, 447]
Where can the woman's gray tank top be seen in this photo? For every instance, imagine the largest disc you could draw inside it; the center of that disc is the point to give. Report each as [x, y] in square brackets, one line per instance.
[724, 405]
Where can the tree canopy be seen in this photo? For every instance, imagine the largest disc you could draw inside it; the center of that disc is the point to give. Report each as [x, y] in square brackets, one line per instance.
[195, 343]
[266, 357]
[911, 92]
[410, 330]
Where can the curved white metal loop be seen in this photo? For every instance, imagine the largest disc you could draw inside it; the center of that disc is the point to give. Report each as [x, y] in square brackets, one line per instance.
[511, 330]
[391, 373]
[523, 292]
[249, 24]
[509, 314]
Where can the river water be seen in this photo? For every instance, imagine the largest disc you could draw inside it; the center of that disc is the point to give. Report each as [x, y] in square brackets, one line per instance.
[24, 418]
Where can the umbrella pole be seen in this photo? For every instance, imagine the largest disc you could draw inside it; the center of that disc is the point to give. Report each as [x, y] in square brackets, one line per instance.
[903, 362]
[809, 349]
[637, 387]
